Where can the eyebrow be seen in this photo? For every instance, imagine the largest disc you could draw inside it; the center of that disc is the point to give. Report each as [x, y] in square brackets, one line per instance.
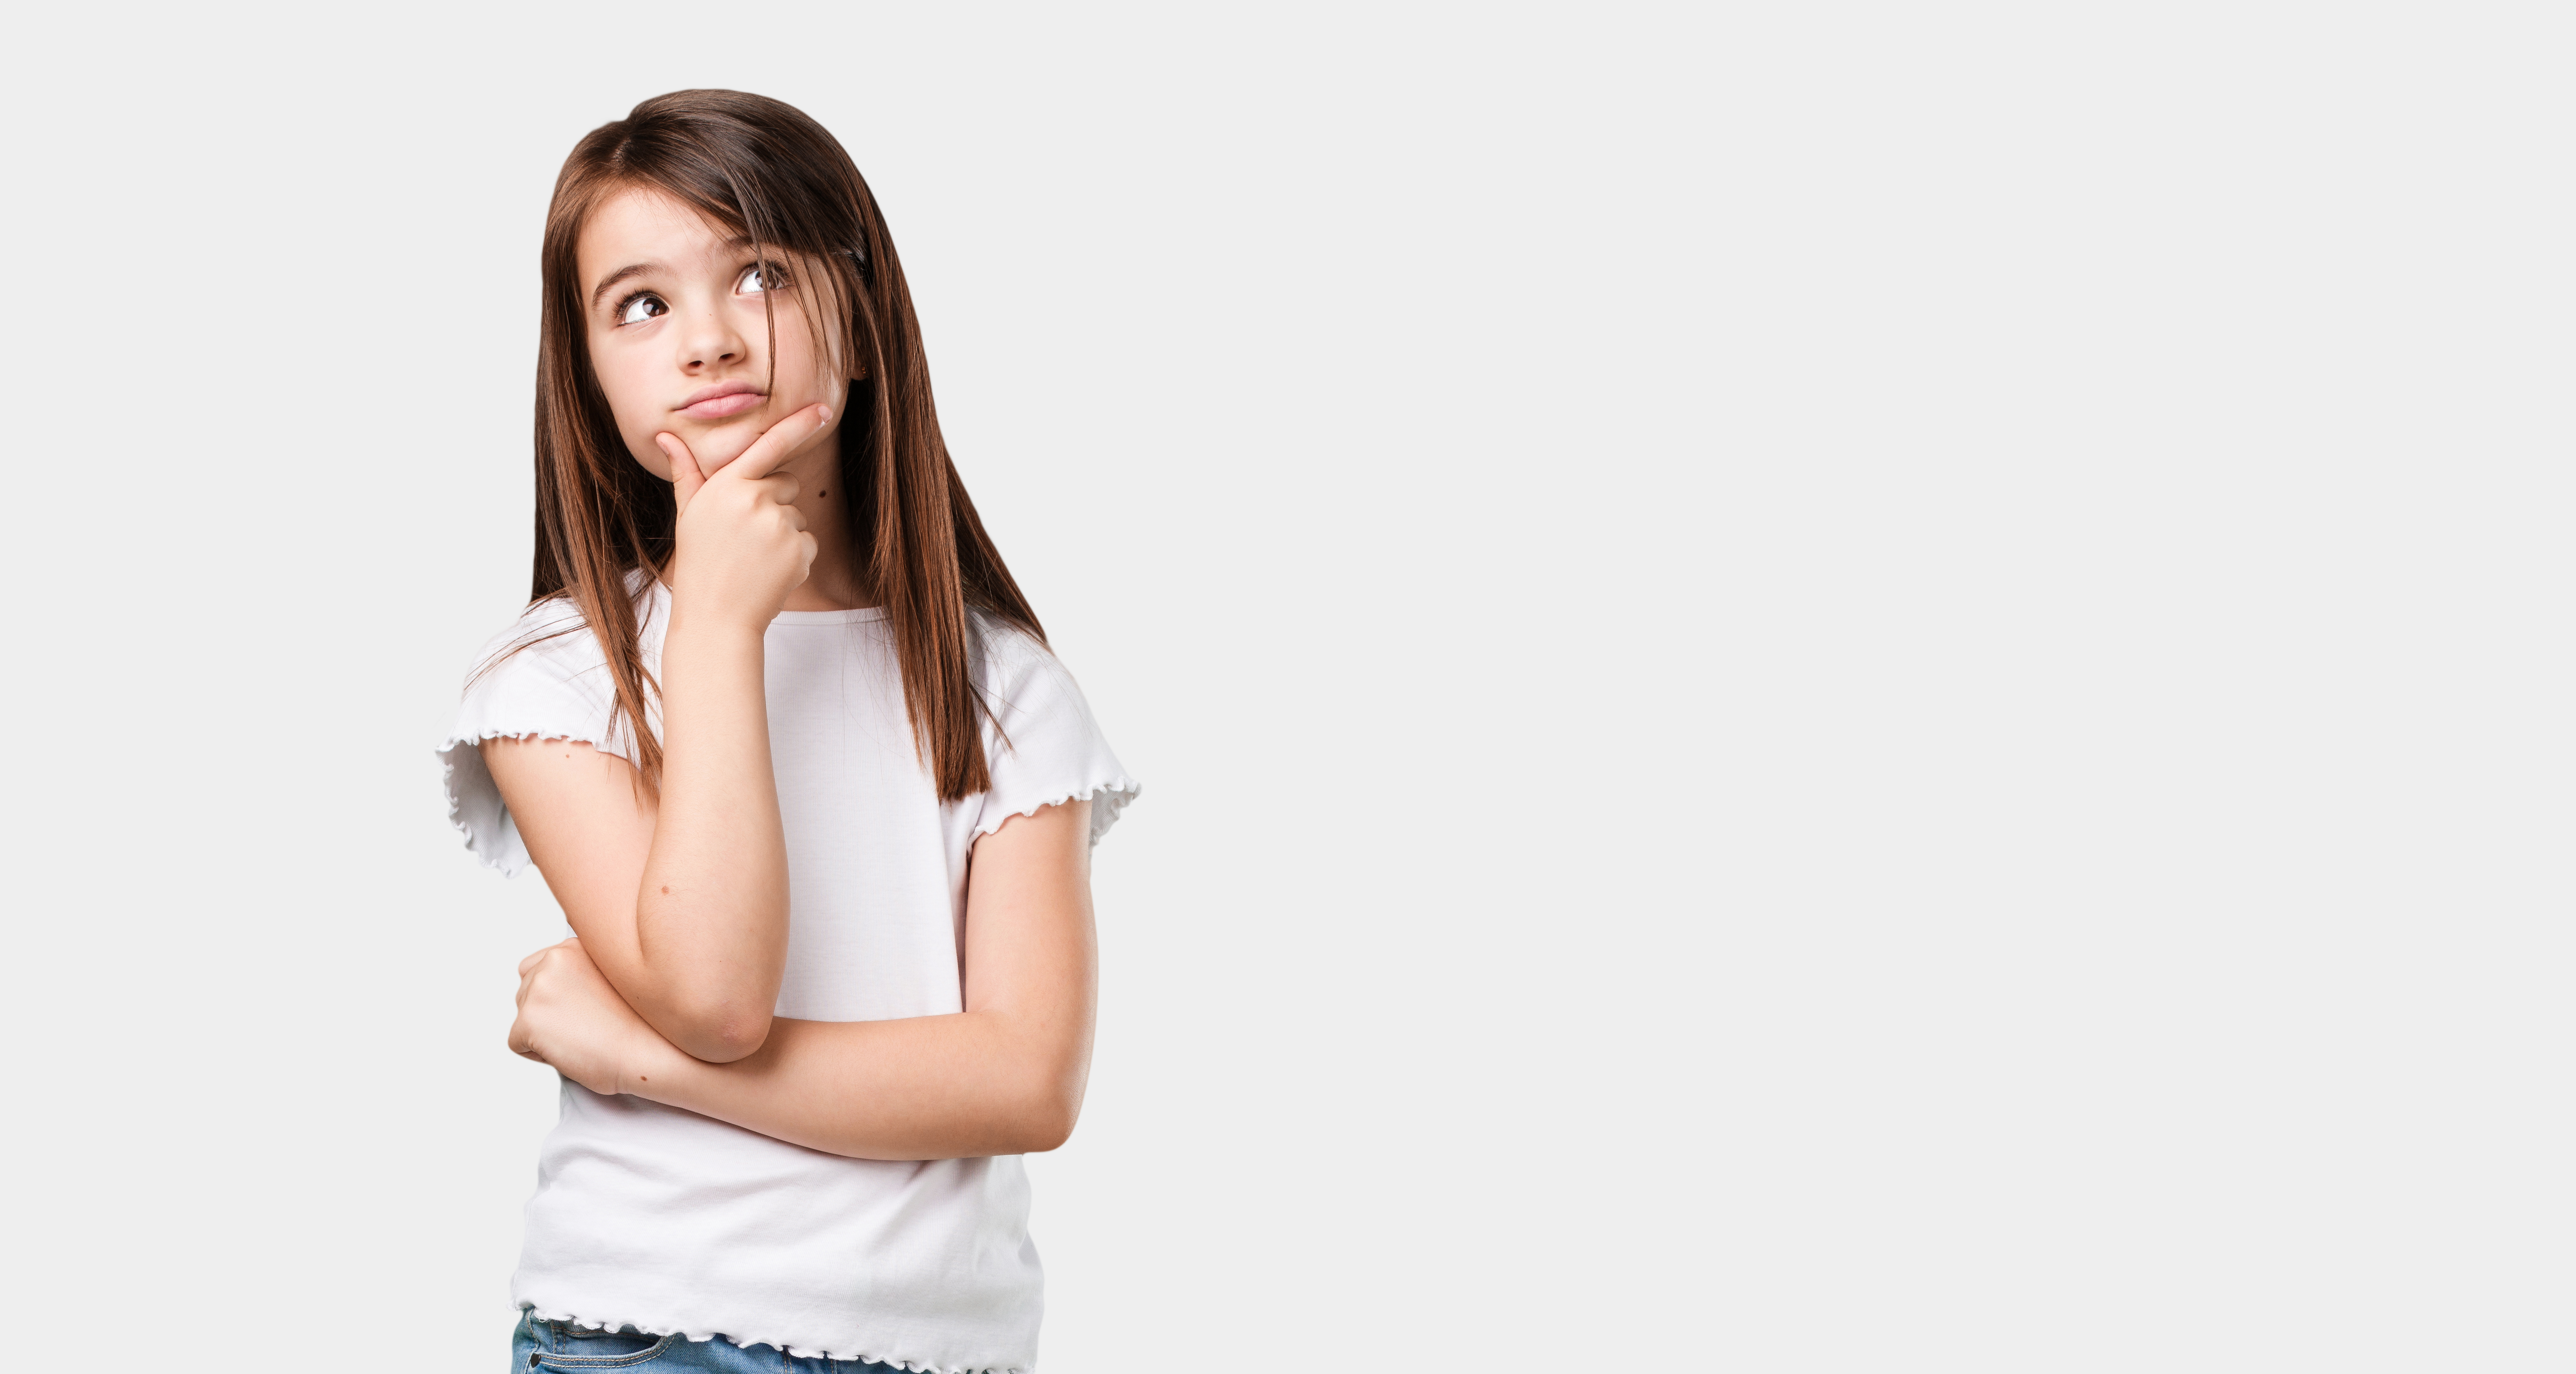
[636, 269]
[632, 269]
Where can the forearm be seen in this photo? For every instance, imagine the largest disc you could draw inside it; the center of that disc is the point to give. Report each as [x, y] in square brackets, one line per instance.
[710, 939]
[929, 1087]
[1004, 1076]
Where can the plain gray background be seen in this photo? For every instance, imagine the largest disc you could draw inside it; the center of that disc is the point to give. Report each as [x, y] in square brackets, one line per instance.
[1819, 687]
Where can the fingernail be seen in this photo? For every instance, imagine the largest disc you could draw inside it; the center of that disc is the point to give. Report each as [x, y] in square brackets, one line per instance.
[827, 415]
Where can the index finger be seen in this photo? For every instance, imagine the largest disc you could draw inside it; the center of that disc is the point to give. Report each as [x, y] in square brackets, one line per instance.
[776, 442]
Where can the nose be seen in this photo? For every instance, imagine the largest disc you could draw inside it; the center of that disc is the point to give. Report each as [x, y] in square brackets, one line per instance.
[711, 340]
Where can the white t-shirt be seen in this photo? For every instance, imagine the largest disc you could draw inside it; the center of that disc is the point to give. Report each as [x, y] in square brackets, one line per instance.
[661, 1219]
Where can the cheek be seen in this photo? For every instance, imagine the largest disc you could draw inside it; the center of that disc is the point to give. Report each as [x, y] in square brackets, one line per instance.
[803, 373]
[637, 419]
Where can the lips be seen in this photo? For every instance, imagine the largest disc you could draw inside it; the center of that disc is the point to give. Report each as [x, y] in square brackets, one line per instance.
[723, 399]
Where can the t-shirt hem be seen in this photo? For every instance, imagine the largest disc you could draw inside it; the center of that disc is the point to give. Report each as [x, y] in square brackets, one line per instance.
[495, 841]
[1110, 798]
[854, 1350]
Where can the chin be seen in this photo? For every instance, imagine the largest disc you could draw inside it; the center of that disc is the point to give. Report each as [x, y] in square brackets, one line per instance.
[722, 445]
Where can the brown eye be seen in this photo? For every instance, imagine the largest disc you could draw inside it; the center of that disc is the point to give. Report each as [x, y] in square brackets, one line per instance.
[636, 309]
[759, 277]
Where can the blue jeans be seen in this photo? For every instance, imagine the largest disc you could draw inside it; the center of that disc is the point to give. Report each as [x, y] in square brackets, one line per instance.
[539, 1344]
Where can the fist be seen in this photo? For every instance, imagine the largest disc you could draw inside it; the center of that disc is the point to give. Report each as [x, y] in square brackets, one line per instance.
[570, 1017]
[741, 544]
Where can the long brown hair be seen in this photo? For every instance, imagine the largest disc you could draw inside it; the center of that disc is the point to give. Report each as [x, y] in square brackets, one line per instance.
[764, 170]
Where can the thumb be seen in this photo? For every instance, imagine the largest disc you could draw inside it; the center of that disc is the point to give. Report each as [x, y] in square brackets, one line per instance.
[685, 476]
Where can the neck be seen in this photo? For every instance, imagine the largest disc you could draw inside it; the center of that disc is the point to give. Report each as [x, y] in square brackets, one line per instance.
[836, 582]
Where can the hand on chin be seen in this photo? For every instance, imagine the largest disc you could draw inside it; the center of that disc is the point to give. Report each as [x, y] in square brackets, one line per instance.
[719, 444]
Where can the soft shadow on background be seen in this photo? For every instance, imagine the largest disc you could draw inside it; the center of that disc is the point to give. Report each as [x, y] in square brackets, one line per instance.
[1835, 689]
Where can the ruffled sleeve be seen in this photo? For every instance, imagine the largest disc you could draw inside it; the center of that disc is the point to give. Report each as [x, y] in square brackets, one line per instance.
[1041, 745]
[543, 678]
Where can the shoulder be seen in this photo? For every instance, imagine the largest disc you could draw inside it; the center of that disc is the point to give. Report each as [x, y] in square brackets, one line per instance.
[1041, 742]
[555, 636]
[542, 664]
[1008, 659]
[551, 631]
[551, 647]
[1022, 684]
[543, 677]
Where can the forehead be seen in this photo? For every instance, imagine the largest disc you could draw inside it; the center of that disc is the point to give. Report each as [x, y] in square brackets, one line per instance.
[644, 224]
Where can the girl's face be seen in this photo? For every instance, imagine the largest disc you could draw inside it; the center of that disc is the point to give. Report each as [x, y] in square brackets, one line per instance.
[680, 338]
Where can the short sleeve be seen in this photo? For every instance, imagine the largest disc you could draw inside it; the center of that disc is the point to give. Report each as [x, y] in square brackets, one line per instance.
[1041, 745]
[543, 678]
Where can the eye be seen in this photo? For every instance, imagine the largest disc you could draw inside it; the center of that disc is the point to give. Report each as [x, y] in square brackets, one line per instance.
[641, 306]
[761, 276]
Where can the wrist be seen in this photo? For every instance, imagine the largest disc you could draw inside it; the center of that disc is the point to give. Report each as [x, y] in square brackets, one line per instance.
[651, 1068]
[704, 619]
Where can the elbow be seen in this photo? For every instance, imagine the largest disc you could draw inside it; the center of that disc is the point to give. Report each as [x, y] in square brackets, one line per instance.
[1047, 1133]
[719, 1033]
[726, 1044]
[1045, 1119]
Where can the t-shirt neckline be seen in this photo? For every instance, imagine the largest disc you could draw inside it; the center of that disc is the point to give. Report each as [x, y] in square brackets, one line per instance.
[858, 616]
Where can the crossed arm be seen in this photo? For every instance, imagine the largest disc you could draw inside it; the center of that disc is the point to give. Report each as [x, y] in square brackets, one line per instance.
[666, 991]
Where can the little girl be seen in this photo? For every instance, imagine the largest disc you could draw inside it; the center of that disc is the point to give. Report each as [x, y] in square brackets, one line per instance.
[790, 749]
